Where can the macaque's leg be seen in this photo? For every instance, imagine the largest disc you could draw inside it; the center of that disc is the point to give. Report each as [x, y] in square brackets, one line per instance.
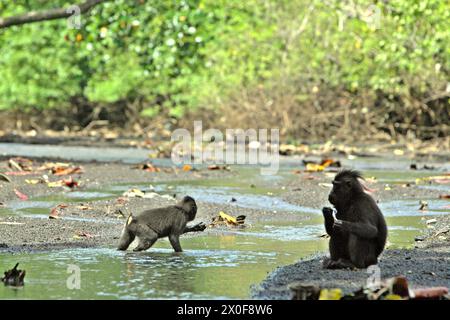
[338, 247]
[175, 242]
[362, 252]
[145, 243]
[147, 237]
[326, 263]
[341, 264]
[126, 238]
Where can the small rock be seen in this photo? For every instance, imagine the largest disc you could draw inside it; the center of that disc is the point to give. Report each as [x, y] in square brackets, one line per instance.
[14, 277]
[423, 205]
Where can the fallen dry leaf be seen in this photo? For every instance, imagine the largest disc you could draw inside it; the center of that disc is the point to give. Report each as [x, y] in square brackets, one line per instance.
[54, 213]
[34, 181]
[134, 193]
[20, 164]
[19, 173]
[83, 207]
[60, 171]
[52, 165]
[82, 234]
[20, 195]
[147, 167]
[228, 220]
[70, 182]
[441, 179]
[4, 177]
[314, 167]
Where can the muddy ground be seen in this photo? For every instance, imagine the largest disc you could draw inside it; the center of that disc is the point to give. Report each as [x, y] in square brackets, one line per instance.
[99, 222]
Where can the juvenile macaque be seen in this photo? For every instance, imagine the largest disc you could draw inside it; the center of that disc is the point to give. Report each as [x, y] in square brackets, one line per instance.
[358, 230]
[150, 225]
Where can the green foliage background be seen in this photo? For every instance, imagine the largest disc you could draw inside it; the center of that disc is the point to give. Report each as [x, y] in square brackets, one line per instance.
[176, 56]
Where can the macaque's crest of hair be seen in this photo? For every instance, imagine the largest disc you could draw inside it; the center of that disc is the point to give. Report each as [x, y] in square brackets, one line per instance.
[348, 174]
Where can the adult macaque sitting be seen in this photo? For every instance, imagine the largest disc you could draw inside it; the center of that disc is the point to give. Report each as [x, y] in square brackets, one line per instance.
[358, 230]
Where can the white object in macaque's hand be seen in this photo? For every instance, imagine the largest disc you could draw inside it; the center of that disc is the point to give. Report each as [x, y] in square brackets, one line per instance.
[334, 215]
[336, 220]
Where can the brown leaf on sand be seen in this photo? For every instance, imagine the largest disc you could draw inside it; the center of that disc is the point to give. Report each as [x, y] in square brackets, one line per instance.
[70, 182]
[82, 234]
[60, 171]
[83, 207]
[147, 167]
[54, 213]
[20, 164]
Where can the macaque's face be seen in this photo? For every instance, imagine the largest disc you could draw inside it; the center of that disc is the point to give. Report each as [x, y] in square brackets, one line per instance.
[189, 205]
[340, 190]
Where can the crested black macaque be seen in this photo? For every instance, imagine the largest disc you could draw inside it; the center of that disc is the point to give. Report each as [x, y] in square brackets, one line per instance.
[358, 230]
[150, 225]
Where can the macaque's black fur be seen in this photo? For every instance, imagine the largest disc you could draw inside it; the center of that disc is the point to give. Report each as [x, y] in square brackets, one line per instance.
[359, 235]
[150, 225]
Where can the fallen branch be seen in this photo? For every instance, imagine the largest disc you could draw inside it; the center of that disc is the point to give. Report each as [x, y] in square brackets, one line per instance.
[45, 15]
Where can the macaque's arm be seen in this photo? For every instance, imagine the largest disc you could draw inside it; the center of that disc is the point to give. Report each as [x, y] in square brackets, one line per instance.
[329, 221]
[361, 229]
[195, 228]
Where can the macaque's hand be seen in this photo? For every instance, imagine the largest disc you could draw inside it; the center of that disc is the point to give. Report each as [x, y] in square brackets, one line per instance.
[337, 223]
[199, 227]
[327, 211]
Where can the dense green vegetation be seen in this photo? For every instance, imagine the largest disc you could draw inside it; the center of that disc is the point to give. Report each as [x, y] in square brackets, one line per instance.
[385, 65]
